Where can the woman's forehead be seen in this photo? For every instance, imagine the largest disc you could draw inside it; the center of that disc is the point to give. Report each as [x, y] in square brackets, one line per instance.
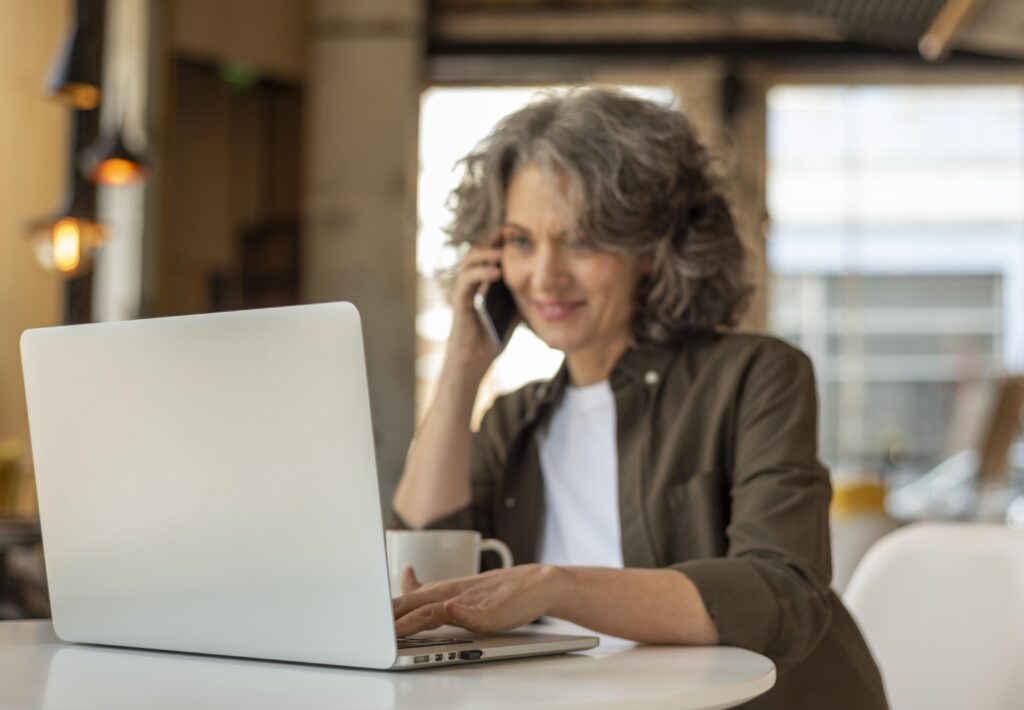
[536, 192]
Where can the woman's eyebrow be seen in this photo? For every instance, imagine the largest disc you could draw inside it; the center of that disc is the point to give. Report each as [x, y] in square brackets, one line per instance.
[512, 225]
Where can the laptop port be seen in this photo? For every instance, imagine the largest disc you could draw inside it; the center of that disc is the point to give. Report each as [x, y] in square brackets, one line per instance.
[451, 656]
[438, 656]
[421, 659]
[471, 655]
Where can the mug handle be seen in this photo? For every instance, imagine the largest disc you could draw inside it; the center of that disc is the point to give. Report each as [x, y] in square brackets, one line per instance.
[494, 545]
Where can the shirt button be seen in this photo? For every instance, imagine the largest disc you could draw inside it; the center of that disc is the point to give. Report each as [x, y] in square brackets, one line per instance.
[651, 377]
[510, 502]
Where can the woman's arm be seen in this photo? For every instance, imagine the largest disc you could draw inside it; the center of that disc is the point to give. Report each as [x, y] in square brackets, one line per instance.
[645, 605]
[436, 480]
[770, 592]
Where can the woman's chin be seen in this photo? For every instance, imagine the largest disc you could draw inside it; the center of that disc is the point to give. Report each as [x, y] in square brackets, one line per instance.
[566, 342]
[560, 335]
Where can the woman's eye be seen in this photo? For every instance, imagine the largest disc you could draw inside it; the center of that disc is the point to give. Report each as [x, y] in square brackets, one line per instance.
[517, 241]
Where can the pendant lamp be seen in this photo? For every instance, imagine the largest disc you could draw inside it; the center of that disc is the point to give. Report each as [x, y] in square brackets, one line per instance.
[110, 161]
[115, 157]
[66, 241]
[75, 78]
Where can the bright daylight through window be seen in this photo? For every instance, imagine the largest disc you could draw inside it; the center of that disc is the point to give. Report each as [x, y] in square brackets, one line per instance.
[897, 216]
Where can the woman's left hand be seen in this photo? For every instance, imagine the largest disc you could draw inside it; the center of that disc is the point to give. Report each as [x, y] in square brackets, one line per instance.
[498, 600]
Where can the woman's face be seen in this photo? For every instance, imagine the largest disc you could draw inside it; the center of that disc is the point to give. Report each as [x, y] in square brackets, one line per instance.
[574, 297]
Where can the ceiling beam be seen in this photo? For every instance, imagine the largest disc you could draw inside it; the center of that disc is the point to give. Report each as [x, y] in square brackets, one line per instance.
[937, 41]
[617, 25]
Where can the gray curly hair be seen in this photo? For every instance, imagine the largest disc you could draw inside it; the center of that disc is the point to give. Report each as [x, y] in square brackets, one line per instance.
[639, 182]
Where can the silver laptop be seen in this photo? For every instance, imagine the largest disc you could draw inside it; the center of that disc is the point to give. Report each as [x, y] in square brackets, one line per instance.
[208, 484]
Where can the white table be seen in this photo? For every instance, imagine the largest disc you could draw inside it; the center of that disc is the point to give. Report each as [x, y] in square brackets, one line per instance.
[39, 671]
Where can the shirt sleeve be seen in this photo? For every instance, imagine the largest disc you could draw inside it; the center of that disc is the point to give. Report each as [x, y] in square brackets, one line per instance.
[770, 592]
[487, 457]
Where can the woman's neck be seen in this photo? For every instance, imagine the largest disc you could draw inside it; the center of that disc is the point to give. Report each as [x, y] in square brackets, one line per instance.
[594, 364]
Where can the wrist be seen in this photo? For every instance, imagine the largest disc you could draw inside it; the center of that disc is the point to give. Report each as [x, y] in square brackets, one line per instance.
[557, 582]
[461, 378]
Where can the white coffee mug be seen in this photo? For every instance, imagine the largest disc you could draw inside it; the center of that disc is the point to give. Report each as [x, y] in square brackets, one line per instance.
[438, 554]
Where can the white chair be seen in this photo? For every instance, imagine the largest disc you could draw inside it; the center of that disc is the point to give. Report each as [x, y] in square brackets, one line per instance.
[942, 608]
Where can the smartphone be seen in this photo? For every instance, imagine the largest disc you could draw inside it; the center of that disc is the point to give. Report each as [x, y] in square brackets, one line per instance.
[497, 311]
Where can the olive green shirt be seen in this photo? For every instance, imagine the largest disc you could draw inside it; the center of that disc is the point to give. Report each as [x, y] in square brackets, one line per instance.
[718, 478]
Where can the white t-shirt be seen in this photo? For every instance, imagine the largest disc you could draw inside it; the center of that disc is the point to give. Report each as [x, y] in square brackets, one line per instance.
[579, 462]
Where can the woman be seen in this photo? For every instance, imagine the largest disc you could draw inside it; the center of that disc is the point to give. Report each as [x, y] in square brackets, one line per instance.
[664, 486]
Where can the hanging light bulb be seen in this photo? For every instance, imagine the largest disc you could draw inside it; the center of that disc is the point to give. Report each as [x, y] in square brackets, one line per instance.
[75, 78]
[109, 161]
[66, 243]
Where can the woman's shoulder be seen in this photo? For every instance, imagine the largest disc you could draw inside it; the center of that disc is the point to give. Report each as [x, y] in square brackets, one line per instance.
[762, 345]
[740, 348]
[721, 359]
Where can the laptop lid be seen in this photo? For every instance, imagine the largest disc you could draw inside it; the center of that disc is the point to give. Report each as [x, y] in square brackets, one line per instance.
[208, 484]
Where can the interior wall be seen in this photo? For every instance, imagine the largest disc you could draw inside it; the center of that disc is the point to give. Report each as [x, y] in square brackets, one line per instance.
[200, 222]
[268, 35]
[234, 163]
[33, 143]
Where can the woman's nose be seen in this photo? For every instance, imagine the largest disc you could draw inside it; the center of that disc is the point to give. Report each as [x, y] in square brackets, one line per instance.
[549, 270]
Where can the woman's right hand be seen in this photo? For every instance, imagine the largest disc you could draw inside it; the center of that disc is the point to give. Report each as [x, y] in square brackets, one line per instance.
[470, 349]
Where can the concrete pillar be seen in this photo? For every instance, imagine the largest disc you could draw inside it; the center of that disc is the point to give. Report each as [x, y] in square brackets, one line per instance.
[365, 77]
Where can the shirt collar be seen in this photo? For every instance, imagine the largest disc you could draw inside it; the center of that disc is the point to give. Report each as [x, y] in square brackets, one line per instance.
[551, 392]
[643, 364]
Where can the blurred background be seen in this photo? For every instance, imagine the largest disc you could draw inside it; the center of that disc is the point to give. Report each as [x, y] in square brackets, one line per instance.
[166, 157]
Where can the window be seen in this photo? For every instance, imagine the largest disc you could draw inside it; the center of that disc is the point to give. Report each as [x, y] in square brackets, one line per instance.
[895, 243]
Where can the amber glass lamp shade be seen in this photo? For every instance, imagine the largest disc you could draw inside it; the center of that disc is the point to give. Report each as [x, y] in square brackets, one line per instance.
[109, 161]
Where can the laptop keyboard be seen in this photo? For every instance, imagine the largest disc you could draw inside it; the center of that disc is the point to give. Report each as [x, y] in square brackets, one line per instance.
[413, 642]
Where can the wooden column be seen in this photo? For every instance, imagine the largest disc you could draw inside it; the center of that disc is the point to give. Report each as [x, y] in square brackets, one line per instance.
[365, 78]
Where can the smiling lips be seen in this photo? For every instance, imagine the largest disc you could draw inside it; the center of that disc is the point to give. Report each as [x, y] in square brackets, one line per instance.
[557, 310]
